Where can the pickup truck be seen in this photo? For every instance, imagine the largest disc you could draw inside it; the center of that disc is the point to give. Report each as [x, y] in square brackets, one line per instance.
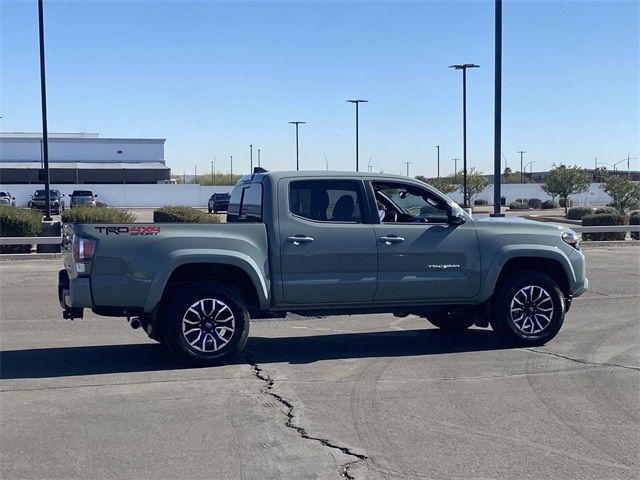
[323, 243]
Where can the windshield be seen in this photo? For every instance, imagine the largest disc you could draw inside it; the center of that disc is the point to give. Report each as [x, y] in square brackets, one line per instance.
[4, 194]
[43, 193]
[82, 193]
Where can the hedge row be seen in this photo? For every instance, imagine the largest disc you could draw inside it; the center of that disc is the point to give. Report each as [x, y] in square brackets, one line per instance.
[576, 213]
[634, 219]
[19, 222]
[605, 219]
[183, 215]
[97, 215]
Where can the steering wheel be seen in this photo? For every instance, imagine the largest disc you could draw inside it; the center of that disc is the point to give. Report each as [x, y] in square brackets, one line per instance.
[390, 217]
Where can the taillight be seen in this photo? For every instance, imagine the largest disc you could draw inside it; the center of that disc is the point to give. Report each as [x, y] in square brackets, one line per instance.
[83, 251]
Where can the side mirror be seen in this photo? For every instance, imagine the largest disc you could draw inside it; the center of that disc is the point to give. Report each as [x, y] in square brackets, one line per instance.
[96, 195]
[456, 219]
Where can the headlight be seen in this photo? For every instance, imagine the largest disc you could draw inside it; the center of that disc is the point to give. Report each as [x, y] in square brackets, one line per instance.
[571, 238]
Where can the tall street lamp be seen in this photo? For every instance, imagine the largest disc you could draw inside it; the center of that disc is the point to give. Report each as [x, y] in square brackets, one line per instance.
[357, 102]
[521, 152]
[407, 164]
[455, 169]
[231, 169]
[438, 148]
[296, 123]
[213, 171]
[530, 174]
[259, 158]
[43, 93]
[250, 159]
[464, 67]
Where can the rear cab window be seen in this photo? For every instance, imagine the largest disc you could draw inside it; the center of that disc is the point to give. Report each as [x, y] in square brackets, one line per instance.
[245, 204]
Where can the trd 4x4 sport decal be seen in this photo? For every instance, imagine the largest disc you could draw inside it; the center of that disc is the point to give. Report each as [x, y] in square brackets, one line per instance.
[137, 230]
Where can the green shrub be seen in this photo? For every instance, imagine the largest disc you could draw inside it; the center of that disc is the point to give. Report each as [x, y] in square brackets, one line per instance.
[535, 203]
[634, 219]
[603, 219]
[518, 206]
[480, 201]
[183, 215]
[576, 213]
[97, 215]
[608, 210]
[548, 204]
[19, 222]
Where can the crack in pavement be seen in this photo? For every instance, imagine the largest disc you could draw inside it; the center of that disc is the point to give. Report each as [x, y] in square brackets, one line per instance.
[266, 378]
[585, 362]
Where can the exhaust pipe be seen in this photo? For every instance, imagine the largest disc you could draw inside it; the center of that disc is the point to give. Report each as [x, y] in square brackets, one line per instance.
[134, 322]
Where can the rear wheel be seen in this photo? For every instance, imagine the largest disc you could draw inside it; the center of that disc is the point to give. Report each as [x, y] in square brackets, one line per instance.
[207, 324]
[528, 309]
[451, 321]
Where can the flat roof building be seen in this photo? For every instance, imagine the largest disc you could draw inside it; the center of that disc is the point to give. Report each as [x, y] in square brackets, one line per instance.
[82, 158]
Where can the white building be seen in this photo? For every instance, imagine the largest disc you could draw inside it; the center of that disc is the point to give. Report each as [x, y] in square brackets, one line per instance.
[82, 158]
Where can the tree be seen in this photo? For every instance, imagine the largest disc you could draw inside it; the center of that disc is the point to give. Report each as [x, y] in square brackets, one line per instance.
[476, 183]
[444, 184]
[565, 181]
[623, 191]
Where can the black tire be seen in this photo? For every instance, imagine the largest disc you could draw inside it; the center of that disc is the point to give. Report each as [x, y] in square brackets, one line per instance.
[186, 343]
[537, 321]
[451, 321]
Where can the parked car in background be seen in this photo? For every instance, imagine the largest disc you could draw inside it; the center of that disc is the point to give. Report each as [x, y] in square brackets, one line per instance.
[39, 201]
[219, 202]
[7, 199]
[82, 197]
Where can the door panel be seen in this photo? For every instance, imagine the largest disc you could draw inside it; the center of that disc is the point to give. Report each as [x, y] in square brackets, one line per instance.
[330, 257]
[427, 262]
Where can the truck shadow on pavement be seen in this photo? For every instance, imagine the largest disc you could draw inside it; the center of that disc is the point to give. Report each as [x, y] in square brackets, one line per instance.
[106, 359]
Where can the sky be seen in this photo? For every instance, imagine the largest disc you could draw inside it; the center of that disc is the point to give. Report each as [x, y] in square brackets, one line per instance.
[213, 77]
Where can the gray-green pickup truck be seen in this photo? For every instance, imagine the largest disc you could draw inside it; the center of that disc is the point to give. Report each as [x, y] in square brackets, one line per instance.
[323, 243]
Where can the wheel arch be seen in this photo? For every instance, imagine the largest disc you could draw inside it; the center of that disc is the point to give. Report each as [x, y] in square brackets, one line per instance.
[230, 269]
[552, 263]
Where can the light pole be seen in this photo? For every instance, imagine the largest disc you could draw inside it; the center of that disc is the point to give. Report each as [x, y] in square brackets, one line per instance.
[250, 158]
[407, 164]
[296, 123]
[521, 152]
[259, 158]
[195, 174]
[357, 102]
[464, 67]
[497, 111]
[231, 169]
[455, 169]
[43, 92]
[213, 171]
[438, 149]
[531, 174]
[618, 163]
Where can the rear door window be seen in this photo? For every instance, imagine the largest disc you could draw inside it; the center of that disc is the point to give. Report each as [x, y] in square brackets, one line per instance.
[326, 200]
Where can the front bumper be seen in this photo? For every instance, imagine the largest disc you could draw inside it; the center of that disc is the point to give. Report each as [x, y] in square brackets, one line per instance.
[73, 294]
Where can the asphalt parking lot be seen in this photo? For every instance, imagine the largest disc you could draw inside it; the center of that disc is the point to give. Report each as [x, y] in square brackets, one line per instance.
[366, 397]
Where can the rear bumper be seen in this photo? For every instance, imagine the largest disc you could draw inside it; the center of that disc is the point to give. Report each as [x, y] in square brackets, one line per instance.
[73, 294]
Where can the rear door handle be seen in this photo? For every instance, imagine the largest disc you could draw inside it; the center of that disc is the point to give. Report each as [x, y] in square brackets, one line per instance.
[299, 239]
[391, 239]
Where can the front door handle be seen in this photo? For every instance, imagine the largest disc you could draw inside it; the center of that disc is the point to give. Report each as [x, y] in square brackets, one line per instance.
[299, 239]
[391, 239]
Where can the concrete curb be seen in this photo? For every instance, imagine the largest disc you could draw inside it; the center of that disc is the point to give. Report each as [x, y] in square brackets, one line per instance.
[7, 257]
[610, 243]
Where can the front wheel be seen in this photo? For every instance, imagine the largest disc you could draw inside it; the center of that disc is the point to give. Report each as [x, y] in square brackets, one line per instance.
[528, 309]
[206, 324]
